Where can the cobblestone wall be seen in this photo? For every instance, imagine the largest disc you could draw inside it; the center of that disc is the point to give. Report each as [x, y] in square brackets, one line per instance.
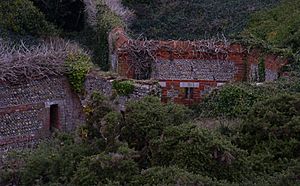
[182, 69]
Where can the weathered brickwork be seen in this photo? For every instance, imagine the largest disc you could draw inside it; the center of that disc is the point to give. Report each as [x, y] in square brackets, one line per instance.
[25, 111]
[201, 62]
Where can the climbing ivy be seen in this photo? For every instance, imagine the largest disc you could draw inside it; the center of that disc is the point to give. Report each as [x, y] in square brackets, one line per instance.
[78, 65]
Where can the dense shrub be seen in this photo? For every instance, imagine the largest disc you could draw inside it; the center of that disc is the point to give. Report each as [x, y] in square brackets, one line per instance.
[54, 162]
[170, 176]
[22, 17]
[146, 119]
[180, 19]
[199, 151]
[123, 88]
[270, 133]
[232, 100]
[279, 26]
[276, 118]
[78, 65]
[117, 168]
[66, 14]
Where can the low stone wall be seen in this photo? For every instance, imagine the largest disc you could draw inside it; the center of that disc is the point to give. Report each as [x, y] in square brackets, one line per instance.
[103, 83]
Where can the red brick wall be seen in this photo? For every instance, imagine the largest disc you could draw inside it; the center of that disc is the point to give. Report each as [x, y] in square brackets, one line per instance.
[245, 62]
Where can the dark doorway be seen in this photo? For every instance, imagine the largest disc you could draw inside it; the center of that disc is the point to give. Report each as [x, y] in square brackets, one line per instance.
[54, 118]
[189, 93]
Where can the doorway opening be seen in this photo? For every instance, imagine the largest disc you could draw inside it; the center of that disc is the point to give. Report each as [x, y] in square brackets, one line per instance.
[54, 118]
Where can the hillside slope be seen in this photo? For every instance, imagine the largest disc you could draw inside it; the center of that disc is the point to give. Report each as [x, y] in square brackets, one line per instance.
[193, 19]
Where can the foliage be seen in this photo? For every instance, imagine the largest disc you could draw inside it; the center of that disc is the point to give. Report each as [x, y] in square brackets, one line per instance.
[179, 19]
[232, 100]
[274, 119]
[279, 26]
[123, 88]
[66, 14]
[199, 151]
[106, 168]
[22, 17]
[170, 176]
[151, 144]
[54, 162]
[106, 21]
[146, 119]
[78, 65]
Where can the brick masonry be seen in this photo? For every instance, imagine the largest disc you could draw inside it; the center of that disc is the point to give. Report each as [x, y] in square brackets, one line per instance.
[179, 62]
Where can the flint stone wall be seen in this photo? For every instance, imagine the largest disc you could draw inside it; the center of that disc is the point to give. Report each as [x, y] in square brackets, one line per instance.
[98, 83]
[25, 111]
[181, 69]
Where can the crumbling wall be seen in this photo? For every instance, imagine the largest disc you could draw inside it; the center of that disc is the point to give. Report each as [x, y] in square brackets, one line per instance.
[96, 82]
[25, 111]
[198, 65]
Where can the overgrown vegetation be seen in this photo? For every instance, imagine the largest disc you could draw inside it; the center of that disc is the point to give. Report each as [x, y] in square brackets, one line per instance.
[279, 26]
[123, 88]
[180, 19]
[77, 65]
[155, 143]
[23, 18]
[151, 143]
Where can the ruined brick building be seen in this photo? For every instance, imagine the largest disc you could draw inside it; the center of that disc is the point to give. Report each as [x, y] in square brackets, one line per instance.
[189, 70]
[31, 111]
[185, 70]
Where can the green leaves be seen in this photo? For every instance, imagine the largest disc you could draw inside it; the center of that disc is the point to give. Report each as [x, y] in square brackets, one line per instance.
[78, 65]
[22, 17]
[123, 88]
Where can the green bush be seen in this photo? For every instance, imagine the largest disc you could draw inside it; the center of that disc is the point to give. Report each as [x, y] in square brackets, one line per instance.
[170, 176]
[54, 162]
[78, 65]
[147, 118]
[123, 88]
[275, 118]
[178, 19]
[201, 152]
[232, 100]
[22, 17]
[107, 168]
[279, 26]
